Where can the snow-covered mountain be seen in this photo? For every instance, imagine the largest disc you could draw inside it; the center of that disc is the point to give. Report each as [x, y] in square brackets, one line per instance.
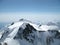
[25, 32]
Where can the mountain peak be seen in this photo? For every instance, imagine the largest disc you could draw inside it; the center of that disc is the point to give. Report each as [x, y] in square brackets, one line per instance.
[21, 19]
[25, 31]
[25, 20]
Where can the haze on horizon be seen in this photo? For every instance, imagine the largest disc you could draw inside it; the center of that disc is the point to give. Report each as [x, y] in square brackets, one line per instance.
[35, 10]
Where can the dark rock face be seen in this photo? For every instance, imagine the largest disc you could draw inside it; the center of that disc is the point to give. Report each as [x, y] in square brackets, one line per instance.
[4, 34]
[29, 34]
[12, 23]
[5, 44]
[29, 29]
[49, 40]
[0, 44]
[21, 19]
[25, 33]
[55, 34]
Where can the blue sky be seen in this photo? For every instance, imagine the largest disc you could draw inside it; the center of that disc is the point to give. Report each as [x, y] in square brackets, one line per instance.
[30, 5]
[32, 8]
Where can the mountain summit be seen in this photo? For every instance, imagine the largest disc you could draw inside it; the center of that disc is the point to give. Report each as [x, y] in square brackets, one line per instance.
[25, 32]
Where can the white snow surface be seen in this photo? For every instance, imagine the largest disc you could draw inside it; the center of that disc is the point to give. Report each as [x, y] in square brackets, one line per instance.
[13, 33]
[46, 28]
[41, 28]
[40, 39]
[17, 24]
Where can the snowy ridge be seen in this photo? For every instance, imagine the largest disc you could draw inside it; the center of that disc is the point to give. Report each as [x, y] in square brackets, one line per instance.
[25, 32]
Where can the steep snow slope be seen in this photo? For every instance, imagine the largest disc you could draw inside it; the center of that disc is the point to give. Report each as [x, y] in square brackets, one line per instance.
[17, 24]
[25, 32]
